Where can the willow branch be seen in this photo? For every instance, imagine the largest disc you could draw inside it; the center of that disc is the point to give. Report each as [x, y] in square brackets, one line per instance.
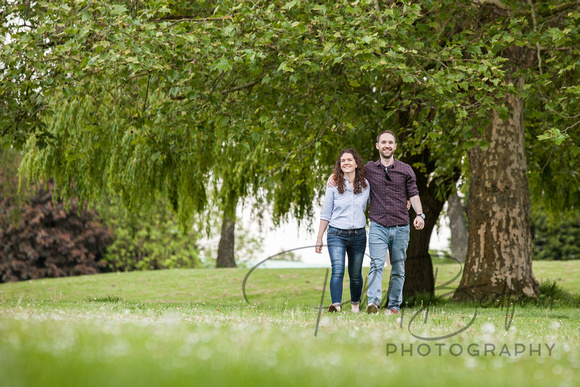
[378, 9]
[556, 9]
[241, 87]
[180, 19]
[191, 18]
[539, 48]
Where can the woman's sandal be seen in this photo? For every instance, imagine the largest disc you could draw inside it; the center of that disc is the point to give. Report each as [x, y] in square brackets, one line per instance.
[334, 308]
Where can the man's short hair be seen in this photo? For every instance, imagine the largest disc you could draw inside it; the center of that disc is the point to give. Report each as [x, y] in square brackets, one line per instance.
[388, 132]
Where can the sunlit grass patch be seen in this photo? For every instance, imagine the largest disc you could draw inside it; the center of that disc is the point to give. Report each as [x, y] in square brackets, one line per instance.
[122, 343]
[143, 331]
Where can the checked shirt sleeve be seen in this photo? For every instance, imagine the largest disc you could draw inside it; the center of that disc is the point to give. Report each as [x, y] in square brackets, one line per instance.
[412, 189]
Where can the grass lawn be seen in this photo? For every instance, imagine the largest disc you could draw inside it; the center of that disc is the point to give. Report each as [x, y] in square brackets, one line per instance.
[193, 327]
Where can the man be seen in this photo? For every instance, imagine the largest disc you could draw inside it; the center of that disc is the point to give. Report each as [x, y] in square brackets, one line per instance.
[392, 183]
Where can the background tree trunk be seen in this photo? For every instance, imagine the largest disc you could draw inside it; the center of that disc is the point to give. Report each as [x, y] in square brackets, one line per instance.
[458, 227]
[499, 255]
[226, 247]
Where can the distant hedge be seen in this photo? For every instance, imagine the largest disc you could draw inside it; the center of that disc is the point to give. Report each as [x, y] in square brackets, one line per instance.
[558, 242]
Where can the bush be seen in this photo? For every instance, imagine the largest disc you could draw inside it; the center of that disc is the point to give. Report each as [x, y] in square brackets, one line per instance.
[39, 238]
[146, 240]
[556, 241]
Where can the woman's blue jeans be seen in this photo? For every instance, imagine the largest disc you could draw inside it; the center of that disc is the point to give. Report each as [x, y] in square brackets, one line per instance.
[352, 243]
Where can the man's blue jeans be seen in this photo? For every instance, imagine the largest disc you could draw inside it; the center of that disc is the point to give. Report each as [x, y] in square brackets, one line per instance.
[394, 240]
[353, 243]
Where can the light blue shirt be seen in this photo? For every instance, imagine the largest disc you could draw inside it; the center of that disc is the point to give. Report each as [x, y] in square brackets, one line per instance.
[345, 211]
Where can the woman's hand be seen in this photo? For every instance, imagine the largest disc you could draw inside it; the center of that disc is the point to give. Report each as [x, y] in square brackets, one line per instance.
[318, 246]
[322, 229]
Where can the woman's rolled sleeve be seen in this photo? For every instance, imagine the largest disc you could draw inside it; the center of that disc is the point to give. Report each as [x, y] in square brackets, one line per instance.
[328, 204]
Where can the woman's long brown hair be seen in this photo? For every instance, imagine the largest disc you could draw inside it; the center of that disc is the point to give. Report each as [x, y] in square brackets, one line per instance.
[360, 174]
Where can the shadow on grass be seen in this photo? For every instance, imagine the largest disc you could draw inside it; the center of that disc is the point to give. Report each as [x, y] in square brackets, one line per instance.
[110, 298]
[550, 290]
[551, 295]
[424, 299]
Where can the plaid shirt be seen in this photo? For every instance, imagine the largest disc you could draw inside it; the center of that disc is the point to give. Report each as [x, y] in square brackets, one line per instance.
[388, 199]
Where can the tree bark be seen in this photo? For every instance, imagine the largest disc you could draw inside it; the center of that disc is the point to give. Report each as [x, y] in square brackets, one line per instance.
[458, 227]
[418, 266]
[226, 247]
[499, 255]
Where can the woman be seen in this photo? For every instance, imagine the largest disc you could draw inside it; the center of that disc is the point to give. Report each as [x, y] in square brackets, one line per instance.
[344, 210]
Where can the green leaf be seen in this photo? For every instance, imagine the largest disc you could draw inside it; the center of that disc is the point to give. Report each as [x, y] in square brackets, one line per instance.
[290, 5]
[223, 65]
[119, 9]
[284, 67]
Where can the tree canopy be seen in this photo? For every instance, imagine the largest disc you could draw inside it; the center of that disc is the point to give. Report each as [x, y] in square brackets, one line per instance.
[225, 99]
[247, 97]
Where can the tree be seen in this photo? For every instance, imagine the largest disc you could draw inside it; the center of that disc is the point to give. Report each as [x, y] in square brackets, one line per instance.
[226, 247]
[107, 105]
[41, 238]
[499, 257]
[255, 98]
[458, 226]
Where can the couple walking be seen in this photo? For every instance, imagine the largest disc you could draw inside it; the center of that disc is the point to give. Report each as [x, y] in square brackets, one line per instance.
[387, 184]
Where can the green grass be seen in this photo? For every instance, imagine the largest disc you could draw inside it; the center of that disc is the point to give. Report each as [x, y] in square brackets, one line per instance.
[193, 327]
[264, 286]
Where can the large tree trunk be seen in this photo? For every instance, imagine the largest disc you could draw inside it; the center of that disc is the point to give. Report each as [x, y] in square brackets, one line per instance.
[418, 266]
[458, 227]
[499, 255]
[226, 247]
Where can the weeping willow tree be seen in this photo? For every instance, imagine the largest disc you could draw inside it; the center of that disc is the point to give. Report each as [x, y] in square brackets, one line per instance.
[225, 100]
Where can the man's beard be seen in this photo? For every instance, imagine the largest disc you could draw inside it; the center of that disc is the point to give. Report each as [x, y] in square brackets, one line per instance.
[387, 153]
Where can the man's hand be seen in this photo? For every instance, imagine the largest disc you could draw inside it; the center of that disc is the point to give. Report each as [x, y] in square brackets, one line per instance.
[408, 204]
[419, 223]
[331, 183]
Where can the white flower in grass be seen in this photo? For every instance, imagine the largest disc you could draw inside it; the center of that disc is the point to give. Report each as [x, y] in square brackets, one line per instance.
[488, 328]
[324, 321]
